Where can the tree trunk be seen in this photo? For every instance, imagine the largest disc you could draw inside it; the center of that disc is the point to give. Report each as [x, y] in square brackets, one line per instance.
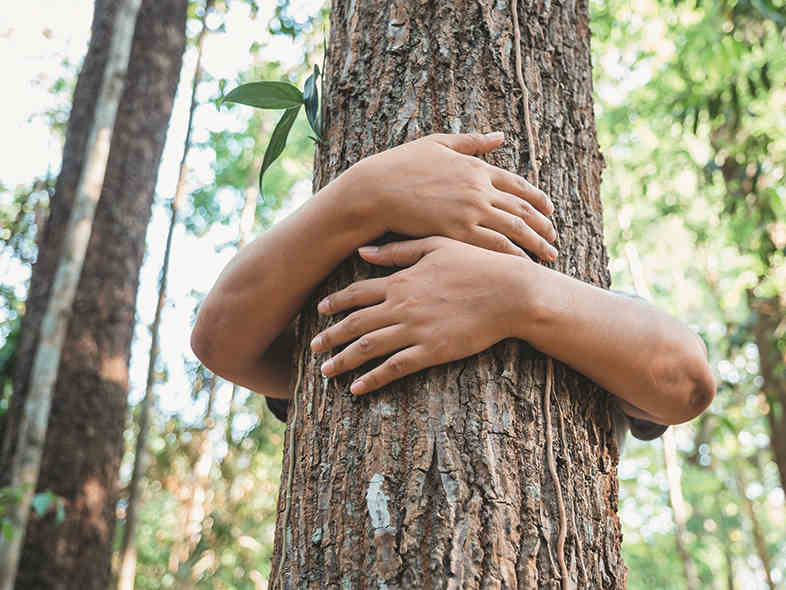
[84, 441]
[770, 315]
[26, 463]
[127, 569]
[442, 479]
[758, 534]
[670, 457]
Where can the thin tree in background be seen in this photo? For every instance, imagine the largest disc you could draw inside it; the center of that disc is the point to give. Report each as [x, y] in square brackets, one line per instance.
[84, 441]
[127, 570]
[26, 464]
[759, 542]
[671, 459]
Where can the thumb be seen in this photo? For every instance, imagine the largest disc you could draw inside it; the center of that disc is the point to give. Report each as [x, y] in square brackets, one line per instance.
[469, 143]
[404, 253]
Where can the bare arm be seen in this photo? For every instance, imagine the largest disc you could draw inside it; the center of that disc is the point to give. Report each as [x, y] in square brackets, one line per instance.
[429, 186]
[654, 363]
[460, 300]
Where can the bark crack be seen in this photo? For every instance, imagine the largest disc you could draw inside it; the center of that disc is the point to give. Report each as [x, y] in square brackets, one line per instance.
[290, 473]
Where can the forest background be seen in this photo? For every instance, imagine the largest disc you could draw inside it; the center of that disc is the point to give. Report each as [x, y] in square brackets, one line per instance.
[690, 101]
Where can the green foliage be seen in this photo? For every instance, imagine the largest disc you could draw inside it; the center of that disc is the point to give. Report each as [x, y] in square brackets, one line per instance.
[691, 121]
[280, 95]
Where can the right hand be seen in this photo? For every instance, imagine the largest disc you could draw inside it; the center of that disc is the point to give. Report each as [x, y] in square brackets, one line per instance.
[433, 186]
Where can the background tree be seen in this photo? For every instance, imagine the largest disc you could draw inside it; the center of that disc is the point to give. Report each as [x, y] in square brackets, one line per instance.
[84, 440]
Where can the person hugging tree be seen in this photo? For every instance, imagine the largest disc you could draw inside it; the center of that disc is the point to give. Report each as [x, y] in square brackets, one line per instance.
[466, 282]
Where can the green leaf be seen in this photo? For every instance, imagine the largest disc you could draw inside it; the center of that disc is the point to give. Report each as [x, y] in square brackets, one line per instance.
[266, 95]
[311, 100]
[42, 501]
[277, 141]
[60, 514]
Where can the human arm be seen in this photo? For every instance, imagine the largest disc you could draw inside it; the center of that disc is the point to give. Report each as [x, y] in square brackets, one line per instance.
[454, 300]
[429, 186]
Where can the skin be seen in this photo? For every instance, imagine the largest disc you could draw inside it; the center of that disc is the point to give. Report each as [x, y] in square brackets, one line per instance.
[465, 287]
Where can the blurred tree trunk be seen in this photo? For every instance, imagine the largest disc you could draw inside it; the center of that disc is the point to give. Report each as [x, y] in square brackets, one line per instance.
[128, 548]
[26, 462]
[442, 479]
[770, 319]
[759, 541]
[194, 494]
[670, 457]
[678, 509]
[84, 442]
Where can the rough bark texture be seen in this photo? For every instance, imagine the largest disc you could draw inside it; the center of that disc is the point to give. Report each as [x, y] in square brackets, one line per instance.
[84, 441]
[440, 480]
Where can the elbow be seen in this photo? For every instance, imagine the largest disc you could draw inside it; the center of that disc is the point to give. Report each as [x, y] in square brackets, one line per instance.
[203, 343]
[688, 382]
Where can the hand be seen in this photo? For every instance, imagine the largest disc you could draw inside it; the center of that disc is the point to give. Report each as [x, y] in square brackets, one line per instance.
[433, 186]
[456, 300]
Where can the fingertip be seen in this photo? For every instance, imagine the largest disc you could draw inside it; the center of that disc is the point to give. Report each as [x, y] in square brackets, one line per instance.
[368, 251]
[357, 387]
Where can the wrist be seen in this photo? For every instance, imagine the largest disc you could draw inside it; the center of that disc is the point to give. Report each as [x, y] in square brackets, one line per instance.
[534, 307]
[348, 196]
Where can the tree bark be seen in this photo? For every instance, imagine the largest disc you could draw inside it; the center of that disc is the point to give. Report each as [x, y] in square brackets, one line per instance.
[441, 480]
[84, 441]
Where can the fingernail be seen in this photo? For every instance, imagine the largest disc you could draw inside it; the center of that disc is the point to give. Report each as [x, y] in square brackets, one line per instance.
[322, 306]
[368, 250]
[552, 253]
[327, 367]
[495, 135]
[316, 342]
[357, 387]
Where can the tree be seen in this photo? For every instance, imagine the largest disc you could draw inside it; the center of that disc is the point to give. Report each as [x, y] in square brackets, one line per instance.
[128, 549]
[26, 463]
[448, 478]
[84, 440]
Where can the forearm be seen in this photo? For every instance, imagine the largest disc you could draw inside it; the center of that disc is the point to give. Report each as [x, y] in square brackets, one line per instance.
[627, 346]
[267, 282]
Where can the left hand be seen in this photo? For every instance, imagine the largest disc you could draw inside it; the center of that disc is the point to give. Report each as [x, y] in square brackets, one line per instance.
[453, 301]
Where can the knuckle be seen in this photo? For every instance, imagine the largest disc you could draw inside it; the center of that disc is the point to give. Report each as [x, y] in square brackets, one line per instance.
[397, 366]
[372, 380]
[501, 244]
[327, 340]
[339, 363]
[519, 226]
[526, 208]
[365, 344]
[351, 323]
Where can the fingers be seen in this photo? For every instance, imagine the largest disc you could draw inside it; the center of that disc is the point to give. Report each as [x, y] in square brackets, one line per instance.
[516, 185]
[353, 326]
[523, 210]
[403, 363]
[517, 229]
[369, 346]
[493, 240]
[469, 143]
[404, 253]
[358, 294]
